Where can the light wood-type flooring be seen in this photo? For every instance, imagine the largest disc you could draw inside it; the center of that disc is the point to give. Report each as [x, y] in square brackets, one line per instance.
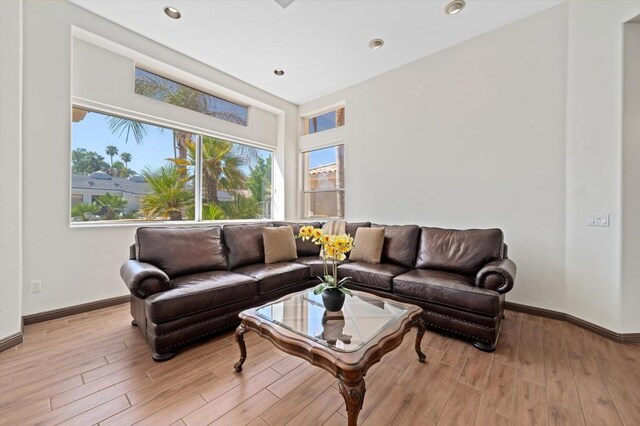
[95, 368]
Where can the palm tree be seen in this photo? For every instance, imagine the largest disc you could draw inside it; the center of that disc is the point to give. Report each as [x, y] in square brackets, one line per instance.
[209, 212]
[111, 205]
[84, 211]
[176, 94]
[242, 208]
[221, 168]
[111, 152]
[168, 196]
[126, 159]
[222, 163]
[120, 125]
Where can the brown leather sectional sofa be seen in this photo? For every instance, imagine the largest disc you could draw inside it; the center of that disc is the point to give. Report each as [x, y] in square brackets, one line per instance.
[189, 283]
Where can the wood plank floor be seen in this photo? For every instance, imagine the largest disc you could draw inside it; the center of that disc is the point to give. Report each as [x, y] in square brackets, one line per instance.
[95, 368]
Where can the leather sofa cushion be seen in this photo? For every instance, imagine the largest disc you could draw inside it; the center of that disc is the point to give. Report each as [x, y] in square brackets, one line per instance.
[367, 245]
[182, 251]
[352, 228]
[315, 265]
[195, 293]
[275, 276]
[400, 243]
[378, 276]
[304, 248]
[449, 289]
[464, 252]
[244, 244]
[279, 244]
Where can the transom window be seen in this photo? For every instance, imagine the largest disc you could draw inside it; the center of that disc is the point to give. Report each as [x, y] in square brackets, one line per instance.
[123, 169]
[324, 121]
[166, 90]
[323, 188]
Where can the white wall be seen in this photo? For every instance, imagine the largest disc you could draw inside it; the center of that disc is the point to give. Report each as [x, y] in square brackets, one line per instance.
[10, 167]
[82, 265]
[631, 180]
[594, 162]
[472, 136]
[105, 79]
[521, 129]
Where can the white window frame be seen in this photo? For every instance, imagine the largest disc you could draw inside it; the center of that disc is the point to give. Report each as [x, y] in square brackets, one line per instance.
[171, 125]
[317, 191]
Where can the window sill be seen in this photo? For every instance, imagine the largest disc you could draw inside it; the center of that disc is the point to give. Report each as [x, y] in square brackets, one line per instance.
[137, 224]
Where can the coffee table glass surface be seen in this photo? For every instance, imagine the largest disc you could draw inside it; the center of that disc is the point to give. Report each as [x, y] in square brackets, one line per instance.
[360, 319]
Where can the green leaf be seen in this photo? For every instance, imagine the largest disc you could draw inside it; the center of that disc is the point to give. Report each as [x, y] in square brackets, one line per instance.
[329, 279]
[344, 280]
[345, 291]
[319, 289]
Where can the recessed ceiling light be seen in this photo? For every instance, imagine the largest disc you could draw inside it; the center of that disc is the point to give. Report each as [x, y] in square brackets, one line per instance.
[278, 72]
[172, 12]
[454, 7]
[376, 43]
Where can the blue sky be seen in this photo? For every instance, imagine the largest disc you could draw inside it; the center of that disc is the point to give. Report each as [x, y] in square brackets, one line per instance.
[93, 134]
[322, 157]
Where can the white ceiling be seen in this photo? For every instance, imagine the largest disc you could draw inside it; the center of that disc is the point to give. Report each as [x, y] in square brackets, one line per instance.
[321, 44]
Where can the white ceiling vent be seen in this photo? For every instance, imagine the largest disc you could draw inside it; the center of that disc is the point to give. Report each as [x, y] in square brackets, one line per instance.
[284, 3]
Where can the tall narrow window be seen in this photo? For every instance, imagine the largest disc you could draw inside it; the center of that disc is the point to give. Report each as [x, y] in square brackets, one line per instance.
[166, 90]
[324, 121]
[324, 182]
[123, 169]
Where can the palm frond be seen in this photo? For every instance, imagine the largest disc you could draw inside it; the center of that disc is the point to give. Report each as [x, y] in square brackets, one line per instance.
[119, 125]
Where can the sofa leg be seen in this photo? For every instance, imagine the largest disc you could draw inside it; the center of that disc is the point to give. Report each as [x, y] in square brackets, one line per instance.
[134, 323]
[163, 356]
[486, 347]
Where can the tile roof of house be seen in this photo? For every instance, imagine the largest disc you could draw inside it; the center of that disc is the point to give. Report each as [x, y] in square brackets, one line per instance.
[97, 181]
[101, 181]
[327, 168]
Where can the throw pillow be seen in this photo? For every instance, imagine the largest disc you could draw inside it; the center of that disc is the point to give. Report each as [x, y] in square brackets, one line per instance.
[367, 245]
[279, 244]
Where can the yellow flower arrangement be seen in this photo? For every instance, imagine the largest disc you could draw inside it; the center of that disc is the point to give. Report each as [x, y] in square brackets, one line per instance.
[334, 249]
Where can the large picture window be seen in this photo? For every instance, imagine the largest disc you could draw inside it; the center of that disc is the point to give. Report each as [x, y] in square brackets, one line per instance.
[323, 182]
[123, 169]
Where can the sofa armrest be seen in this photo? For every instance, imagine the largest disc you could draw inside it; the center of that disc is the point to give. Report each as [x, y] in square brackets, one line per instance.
[143, 279]
[497, 275]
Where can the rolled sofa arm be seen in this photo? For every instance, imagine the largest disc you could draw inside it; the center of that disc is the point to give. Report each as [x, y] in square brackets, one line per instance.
[143, 279]
[497, 275]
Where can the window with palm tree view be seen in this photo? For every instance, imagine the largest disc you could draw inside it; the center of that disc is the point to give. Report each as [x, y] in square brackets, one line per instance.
[123, 169]
[166, 90]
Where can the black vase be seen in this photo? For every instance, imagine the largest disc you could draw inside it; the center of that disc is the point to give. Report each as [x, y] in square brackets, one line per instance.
[333, 299]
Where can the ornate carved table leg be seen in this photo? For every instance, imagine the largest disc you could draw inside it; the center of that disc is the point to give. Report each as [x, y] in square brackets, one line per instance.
[243, 349]
[353, 395]
[419, 323]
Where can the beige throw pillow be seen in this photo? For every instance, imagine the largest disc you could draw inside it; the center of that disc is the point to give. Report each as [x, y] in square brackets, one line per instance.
[367, 245]
[279, 244]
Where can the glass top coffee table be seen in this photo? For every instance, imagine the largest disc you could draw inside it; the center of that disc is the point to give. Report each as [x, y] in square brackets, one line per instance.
[346, 343]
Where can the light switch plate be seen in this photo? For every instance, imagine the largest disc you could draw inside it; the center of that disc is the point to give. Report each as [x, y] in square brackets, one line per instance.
[598, 219]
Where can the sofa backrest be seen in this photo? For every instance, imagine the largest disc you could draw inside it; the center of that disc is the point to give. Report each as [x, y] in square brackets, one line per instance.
[181, 251]
[400, 242]
[462, 251]
[303, 248]
[352, 227]
[244, 244]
